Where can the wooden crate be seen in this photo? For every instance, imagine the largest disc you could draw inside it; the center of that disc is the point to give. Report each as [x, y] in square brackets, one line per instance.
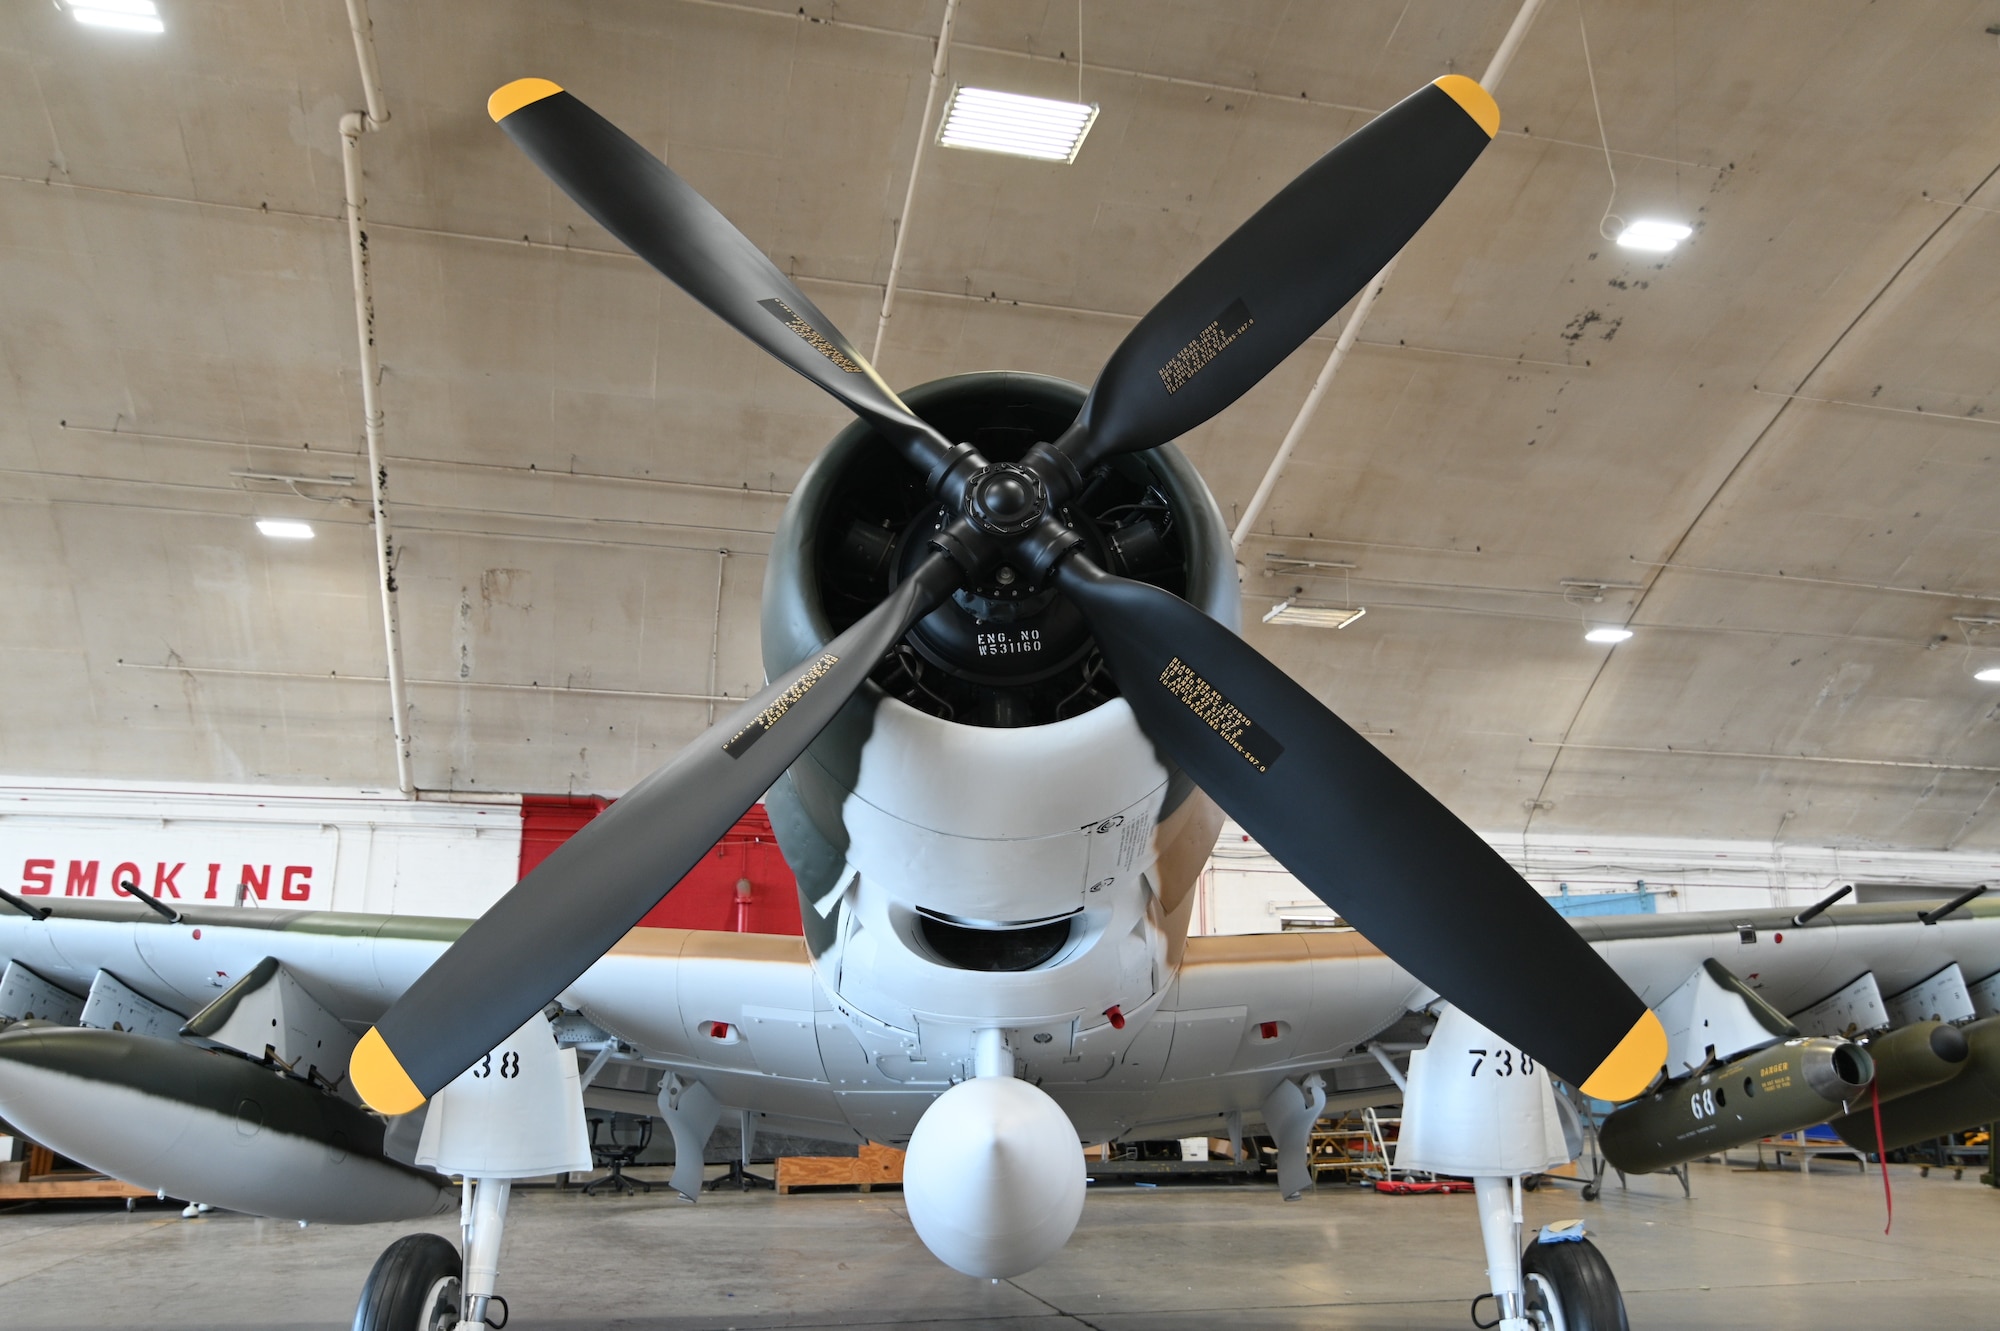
[40, 1181]
[875, 1166]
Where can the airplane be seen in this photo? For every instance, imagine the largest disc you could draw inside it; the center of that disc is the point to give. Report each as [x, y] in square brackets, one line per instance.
[1008, 711]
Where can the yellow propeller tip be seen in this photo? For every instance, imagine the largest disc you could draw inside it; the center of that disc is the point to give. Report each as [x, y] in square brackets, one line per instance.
[506, 101]
[1631, 1067]
[379, 1078]
[1473, 99]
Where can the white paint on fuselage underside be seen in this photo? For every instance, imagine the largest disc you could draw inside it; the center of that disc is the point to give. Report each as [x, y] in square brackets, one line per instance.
[997, 827]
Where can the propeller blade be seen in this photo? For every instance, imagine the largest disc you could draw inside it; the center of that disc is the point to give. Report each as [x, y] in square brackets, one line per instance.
[1285, 272]
[661, 218]
[1366, 838]
[555, 923]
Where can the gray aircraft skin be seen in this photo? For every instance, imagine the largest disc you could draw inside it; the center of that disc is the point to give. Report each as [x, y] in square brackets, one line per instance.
[1197, 1058]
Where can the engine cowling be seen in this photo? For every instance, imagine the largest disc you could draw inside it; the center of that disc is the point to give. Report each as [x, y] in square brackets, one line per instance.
[995, 713]
[994, 1177]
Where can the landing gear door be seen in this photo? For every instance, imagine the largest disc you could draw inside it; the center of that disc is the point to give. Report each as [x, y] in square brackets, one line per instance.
[516, 1113]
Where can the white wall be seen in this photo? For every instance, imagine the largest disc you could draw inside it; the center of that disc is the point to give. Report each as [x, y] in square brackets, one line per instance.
[1244, 890]
[357, 850]
[364, 850]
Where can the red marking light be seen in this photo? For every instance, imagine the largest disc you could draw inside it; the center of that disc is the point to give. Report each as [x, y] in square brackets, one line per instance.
[719, 1030]
[1267, 1030]
[197, 933]
[1117, 1017]
[1777, 938]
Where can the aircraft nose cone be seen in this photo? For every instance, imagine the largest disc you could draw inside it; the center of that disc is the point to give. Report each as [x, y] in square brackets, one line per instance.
[26, 1047]
[1006, 499]
[34, 1077]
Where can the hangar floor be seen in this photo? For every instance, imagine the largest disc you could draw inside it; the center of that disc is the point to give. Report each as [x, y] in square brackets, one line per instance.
[1769, 1250]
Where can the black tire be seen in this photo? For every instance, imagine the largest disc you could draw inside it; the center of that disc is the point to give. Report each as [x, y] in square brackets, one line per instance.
[1571, 1288]
[413, 1286]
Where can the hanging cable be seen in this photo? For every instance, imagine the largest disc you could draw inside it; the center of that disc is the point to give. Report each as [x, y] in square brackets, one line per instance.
[1079, 50]
[1590, 70]
[1882, 1155]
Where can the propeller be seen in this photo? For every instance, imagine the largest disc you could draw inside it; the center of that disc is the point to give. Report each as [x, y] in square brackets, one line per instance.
[1361, 833]
[1365, 838]
[660, 218]
[1281, 275]
[555, 923]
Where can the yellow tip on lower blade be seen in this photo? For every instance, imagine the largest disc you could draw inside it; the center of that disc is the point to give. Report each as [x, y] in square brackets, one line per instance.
[1478, 102]
[379, 1079]
[1631, 1067]
[506, 101]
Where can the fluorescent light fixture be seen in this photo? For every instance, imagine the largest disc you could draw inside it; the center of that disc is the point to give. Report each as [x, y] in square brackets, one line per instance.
[284, 529]
[1607, 635]
[1314, 616]
[131, 15]
[1007, 122]
[1991, 675]
[1653, 235]
[1293, 924]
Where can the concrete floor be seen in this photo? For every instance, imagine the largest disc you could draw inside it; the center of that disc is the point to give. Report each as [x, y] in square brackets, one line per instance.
[1767, 1250]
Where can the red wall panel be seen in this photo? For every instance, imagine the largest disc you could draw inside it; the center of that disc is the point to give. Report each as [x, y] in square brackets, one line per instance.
[708, 897]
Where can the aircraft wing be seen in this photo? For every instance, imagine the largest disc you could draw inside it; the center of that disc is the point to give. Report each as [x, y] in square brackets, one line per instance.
[745, 1015]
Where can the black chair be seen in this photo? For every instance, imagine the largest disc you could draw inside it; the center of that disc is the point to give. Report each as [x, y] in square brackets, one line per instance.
[615, 1153]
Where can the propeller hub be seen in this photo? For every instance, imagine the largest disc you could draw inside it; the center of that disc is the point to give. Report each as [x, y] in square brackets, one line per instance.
[1006, 499]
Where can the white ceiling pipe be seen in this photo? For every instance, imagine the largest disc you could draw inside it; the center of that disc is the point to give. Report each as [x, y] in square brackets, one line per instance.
[715, 633]
[364, 52]
[910, 192]
[1495, 69]
[352, 125]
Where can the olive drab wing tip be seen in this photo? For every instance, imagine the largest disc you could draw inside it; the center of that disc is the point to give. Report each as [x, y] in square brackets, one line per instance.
[1630, 1068]
[1474, 100]
[378, 1077]
[524, 92]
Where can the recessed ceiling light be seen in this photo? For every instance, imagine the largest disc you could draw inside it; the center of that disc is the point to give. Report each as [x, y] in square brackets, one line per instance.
[1314, 616]
[1653, 235]
[284, 529]
[131, 15]
[1989, 676]
[1607, 635]
[1007, 122]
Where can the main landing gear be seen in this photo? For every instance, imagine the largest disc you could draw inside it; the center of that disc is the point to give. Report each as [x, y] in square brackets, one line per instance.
[419, 1282]
[517, 1113]
[413, 1286]
[1570, 1287]
[1476, 1106]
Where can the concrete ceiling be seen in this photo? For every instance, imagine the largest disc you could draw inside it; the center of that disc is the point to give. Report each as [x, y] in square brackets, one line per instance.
[1779, 435]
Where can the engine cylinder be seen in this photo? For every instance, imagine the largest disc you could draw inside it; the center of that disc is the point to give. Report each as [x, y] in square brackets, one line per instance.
[1970, 1098]
[1777, 1089]
[994, 1177]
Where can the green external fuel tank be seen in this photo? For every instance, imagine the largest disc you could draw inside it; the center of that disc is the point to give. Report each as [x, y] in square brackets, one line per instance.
[1774, 1089]
[1917, 1057]
[1970, 1096]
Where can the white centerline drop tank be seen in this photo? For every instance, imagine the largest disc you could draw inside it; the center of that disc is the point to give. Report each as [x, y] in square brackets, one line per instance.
[1478, 1107]
[994, 1177]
